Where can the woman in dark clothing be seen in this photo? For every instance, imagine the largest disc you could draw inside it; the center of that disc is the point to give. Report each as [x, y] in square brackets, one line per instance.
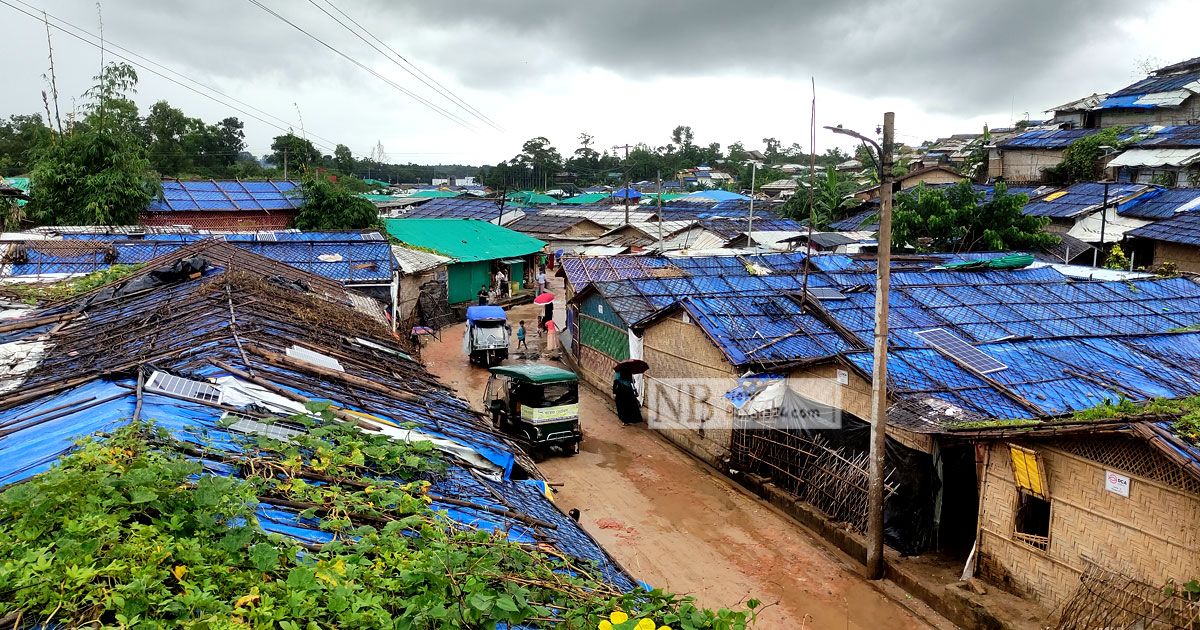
[629, 411]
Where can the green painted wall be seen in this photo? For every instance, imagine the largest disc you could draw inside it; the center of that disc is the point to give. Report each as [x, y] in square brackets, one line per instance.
[464, 279]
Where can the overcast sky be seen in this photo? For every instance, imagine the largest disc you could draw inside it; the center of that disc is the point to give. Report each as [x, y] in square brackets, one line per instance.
[624, 71]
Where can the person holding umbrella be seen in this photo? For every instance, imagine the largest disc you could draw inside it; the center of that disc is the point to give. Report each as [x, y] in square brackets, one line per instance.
[629, 410]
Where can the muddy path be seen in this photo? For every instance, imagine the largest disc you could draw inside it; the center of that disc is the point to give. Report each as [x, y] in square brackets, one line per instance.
[676, 524]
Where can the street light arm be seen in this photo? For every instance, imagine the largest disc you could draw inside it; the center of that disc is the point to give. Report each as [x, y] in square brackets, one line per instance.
[858, 136]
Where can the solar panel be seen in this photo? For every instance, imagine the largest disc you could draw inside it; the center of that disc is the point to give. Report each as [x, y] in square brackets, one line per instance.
[962, 352]
[266, 236]
[183, 387]
[826, 293]
[315, 358]
[242, 424]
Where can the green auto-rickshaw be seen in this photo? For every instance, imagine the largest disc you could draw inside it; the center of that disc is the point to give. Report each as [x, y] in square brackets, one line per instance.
[537, 403]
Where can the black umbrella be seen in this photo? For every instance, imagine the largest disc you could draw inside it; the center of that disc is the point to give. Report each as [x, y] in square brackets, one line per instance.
[631, 366]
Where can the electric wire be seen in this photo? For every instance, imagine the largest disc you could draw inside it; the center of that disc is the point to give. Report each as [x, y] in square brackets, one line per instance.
[109, 44]
[159, 74]
[413, 95]
[418, 74]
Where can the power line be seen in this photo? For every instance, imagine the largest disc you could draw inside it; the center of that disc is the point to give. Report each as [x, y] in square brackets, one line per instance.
[110, 44]
[436, 86]
[152, 70]
[413, 95]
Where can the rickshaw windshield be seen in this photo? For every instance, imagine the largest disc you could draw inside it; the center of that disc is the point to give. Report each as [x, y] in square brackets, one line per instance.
[552, 395]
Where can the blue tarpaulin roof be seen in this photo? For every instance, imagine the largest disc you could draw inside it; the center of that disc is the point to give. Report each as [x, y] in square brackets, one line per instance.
[1167, 202]
[1087, 197]
[480, 313]
[184, 327]
[227, 195]
[455, 208]
[716, 195]
[1130, 97]
[348, 261]
[1183, 228]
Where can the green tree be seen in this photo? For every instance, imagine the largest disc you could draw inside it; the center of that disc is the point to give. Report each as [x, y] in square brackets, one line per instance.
[19, 136]
[824, 202]
[96, 173]
[771, 150]
[960, 219]
[343, 159]
[682, 136]
[331, 206]
[168, 127]
[300, 153]
[1081, 160]
[738, 153]
[540, 159]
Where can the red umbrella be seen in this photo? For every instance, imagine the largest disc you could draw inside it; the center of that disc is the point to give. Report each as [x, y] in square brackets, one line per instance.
[631, 366]
[543, 299]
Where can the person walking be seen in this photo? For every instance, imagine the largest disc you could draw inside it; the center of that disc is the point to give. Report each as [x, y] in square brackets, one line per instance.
[629, 410]
[541, 280]
[521, 335]
[483, 295]
[499, 279]
[551, 336]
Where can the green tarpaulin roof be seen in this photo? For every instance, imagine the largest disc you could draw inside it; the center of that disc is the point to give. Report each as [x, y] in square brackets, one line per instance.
[528, 196]
[376, 182]
[20, 183]
[587, 198]
[535, 373]
[437, 193]
[466, 240]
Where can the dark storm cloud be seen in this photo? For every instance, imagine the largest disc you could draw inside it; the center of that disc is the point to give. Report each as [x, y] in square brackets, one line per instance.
[952, 56]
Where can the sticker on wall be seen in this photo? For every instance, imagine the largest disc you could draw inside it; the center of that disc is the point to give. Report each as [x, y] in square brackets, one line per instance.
[843, 377]
[1116, 483]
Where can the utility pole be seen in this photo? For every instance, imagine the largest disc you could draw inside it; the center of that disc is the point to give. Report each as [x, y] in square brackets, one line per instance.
[627, 147]
[285, 162]
[879, 399]
[750, 222]
[1103, 223]
[658, 178]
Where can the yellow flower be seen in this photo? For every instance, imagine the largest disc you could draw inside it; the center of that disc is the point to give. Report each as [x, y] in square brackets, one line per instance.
[618, 617]
[644, 624]
[605, 625]
[664, 628]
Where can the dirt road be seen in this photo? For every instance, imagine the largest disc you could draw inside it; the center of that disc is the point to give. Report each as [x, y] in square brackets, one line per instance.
[677, 525]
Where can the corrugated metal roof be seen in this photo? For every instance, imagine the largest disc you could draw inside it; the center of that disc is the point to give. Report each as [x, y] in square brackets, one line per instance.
[415, 261]
[1156, 157]
[546, 224]
[465, 240]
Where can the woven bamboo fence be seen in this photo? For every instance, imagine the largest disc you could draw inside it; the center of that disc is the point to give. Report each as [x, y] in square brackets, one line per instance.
[1111, 601]
[832, 479]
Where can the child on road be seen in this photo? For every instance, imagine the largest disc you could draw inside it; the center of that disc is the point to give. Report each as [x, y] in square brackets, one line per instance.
[521, 335]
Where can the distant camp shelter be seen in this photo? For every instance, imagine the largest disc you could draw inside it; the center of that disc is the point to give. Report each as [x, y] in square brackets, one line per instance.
[232, 205]
[477, 248]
